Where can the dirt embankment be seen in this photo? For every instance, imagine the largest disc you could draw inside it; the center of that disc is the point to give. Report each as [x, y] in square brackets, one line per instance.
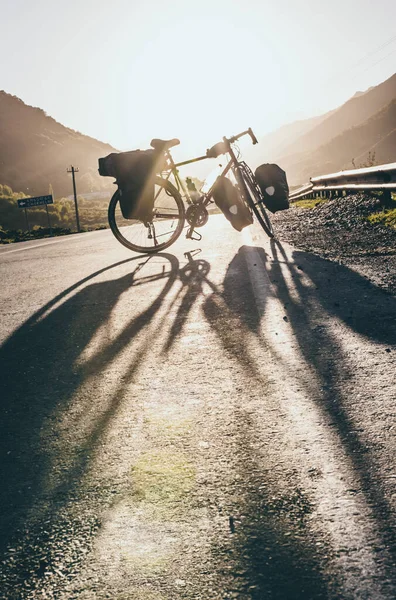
[339, 230]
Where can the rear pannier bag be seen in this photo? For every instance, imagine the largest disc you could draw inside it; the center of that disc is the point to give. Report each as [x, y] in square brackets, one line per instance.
[273, 184]
[135, 173]
[227, 198]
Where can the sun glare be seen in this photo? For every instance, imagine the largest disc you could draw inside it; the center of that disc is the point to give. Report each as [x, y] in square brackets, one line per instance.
[199, 89]
[193, 70]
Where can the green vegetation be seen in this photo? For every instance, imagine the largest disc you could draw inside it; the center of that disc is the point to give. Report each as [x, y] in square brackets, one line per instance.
[13, 225]
[309, 203]
[17, 235]
[386, 217]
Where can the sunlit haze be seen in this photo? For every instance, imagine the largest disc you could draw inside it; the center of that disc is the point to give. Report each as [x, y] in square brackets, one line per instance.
[127, 71]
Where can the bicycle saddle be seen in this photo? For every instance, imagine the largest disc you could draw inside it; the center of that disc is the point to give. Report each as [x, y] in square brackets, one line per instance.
[162, 145]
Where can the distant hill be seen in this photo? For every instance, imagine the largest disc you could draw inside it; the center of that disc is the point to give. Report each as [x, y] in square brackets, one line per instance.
[35, 151]
[364, 124]
[276, 142]
[384, 150]
[376, 135]
[354, 112]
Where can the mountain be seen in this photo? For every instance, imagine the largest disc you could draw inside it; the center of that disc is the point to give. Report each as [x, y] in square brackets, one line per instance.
[354, 112]
[35, 151]
[365, 123]
[276, 142]
[376, 135]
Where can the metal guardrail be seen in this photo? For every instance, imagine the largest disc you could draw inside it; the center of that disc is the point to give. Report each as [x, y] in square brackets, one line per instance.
[379, 178]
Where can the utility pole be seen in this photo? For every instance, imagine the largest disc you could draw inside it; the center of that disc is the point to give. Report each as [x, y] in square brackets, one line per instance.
[73, 170]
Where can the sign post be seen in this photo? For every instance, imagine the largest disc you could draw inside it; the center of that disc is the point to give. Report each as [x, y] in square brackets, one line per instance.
[37, 201]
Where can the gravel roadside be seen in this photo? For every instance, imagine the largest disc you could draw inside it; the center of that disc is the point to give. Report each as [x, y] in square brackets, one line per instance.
[338, 230]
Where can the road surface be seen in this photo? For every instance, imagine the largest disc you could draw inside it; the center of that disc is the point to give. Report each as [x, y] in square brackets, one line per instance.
[210, 425]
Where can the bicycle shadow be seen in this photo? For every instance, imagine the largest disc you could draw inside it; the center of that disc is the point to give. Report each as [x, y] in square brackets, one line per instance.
[42, 468]
[277, 563]
[273, 561]
[342, 292]
[194, 276]
[354, 301]
[285, 574]
[272, 545]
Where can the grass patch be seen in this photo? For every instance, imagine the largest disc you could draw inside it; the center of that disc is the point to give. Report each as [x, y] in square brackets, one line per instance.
[309, 203]
[386, 217]
[18, 235]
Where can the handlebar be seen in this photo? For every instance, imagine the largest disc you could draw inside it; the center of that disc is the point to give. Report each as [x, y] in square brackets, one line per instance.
[222, 147]
[249, 131]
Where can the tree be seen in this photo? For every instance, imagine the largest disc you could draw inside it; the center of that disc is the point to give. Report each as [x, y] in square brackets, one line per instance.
[7, 191]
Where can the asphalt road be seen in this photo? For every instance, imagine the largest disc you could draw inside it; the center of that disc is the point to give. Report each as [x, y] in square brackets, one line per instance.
[211, 425]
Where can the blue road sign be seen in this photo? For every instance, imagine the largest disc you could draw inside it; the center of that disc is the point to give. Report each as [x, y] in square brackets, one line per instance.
[37, 201]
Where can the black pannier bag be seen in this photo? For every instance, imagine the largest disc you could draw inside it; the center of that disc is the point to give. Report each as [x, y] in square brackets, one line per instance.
[227, 198]
[273, 184]
[135, 173]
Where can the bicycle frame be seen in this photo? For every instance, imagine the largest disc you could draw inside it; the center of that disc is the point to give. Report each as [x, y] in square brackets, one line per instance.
[173, 170]
[142, 236]
[238, 168]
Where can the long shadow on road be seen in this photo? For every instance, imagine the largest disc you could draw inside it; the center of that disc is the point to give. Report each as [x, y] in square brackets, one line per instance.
[272, 555]
[337, 291]
[274, 551]
[40, 375]
[274, 564]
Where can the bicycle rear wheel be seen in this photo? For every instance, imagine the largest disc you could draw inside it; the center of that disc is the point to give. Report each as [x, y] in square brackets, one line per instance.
[161, 231]
[254, 199]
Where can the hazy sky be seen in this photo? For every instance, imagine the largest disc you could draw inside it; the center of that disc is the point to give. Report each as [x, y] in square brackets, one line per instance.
[125, 71]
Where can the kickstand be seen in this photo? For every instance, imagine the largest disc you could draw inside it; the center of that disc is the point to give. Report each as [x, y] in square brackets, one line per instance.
[190, 233]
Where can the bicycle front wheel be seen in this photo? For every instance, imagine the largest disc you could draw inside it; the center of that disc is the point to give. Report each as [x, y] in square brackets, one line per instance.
[161, 231]
[254, 199]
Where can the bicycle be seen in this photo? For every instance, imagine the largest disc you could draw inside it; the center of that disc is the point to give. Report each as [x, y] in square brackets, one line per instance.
[169, 213]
